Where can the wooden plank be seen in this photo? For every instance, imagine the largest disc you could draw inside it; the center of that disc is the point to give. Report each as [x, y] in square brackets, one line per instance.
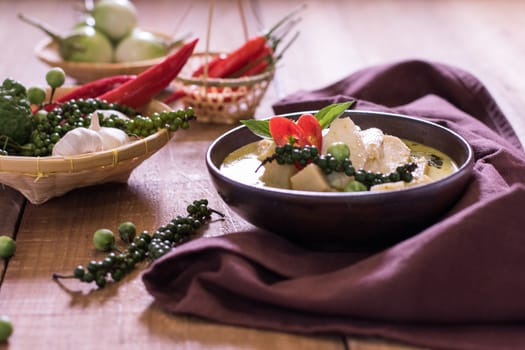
[11, 206]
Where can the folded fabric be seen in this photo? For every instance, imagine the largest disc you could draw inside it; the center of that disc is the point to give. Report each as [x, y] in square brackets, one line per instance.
[458, 284]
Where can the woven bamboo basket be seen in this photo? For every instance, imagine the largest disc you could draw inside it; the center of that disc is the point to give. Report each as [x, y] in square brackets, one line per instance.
[42, 178]
[224, 101]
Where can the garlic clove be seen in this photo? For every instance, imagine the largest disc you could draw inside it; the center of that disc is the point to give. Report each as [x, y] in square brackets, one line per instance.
[95, 122]
[111, 137]
[78, 141]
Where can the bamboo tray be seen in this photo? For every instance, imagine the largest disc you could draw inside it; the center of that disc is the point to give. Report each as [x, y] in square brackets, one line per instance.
[42, 178]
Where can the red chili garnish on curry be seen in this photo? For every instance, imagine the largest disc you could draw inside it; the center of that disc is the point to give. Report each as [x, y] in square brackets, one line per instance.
[305, 132]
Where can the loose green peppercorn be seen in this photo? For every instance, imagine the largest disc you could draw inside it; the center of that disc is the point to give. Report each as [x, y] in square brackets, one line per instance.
[127, 231]
[339, 150]
[101, 281]
[55, 77]
[7, 247]
[355, 186]
[145, 236]
[117, 275]
[394, 177]
[88, 277]
[79, 272]
[107, 262]
[349, 170]
[104, 239]
[92, 266]
[6, 328]
[360, 176]
[36, 95]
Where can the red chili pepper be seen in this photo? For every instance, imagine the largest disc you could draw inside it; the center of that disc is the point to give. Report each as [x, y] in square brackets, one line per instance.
[256, 65]
[96, 88]
[312, 130]
[257, 69]
[306, 131]
[238, 58]
[261, 62]
[174, 96]
[213, 62]
[285, 131]
[149, 83]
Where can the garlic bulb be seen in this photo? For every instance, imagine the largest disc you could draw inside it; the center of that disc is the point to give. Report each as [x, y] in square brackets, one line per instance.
[78, 141]
[93, 139]
[111, 137]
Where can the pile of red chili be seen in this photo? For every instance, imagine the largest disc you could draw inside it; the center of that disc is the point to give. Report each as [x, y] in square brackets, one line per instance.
[130, 90]
[254, 56]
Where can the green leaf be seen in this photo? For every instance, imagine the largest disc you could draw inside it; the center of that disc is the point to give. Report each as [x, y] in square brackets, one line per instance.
[258, 127]
[325, 116]
[329, 113]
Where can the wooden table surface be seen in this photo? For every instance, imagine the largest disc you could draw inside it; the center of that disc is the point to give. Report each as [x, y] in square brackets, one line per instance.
[337, 38]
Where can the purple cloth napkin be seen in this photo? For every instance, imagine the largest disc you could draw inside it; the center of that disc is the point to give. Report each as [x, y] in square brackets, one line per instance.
[459, 284]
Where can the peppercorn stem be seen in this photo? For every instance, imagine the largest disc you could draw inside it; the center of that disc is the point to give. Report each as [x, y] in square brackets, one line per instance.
[267, 160]
[51, 95]
[59, 276]
[217, 212]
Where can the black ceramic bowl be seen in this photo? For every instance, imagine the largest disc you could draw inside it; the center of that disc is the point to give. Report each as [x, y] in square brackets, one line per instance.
[341, 220]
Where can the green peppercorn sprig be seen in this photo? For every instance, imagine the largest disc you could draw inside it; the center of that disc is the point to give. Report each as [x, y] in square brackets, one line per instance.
[50, 127]
[144, 246]
[329, 163]
[143, 126]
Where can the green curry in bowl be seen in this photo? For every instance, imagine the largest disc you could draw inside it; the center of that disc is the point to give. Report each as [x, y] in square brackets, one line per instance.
[349, 159]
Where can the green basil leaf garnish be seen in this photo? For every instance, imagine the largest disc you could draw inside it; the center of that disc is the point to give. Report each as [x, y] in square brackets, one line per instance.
[260, 128]
[329, 113]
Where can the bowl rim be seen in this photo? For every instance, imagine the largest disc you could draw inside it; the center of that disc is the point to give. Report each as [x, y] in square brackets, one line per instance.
[309, 195]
